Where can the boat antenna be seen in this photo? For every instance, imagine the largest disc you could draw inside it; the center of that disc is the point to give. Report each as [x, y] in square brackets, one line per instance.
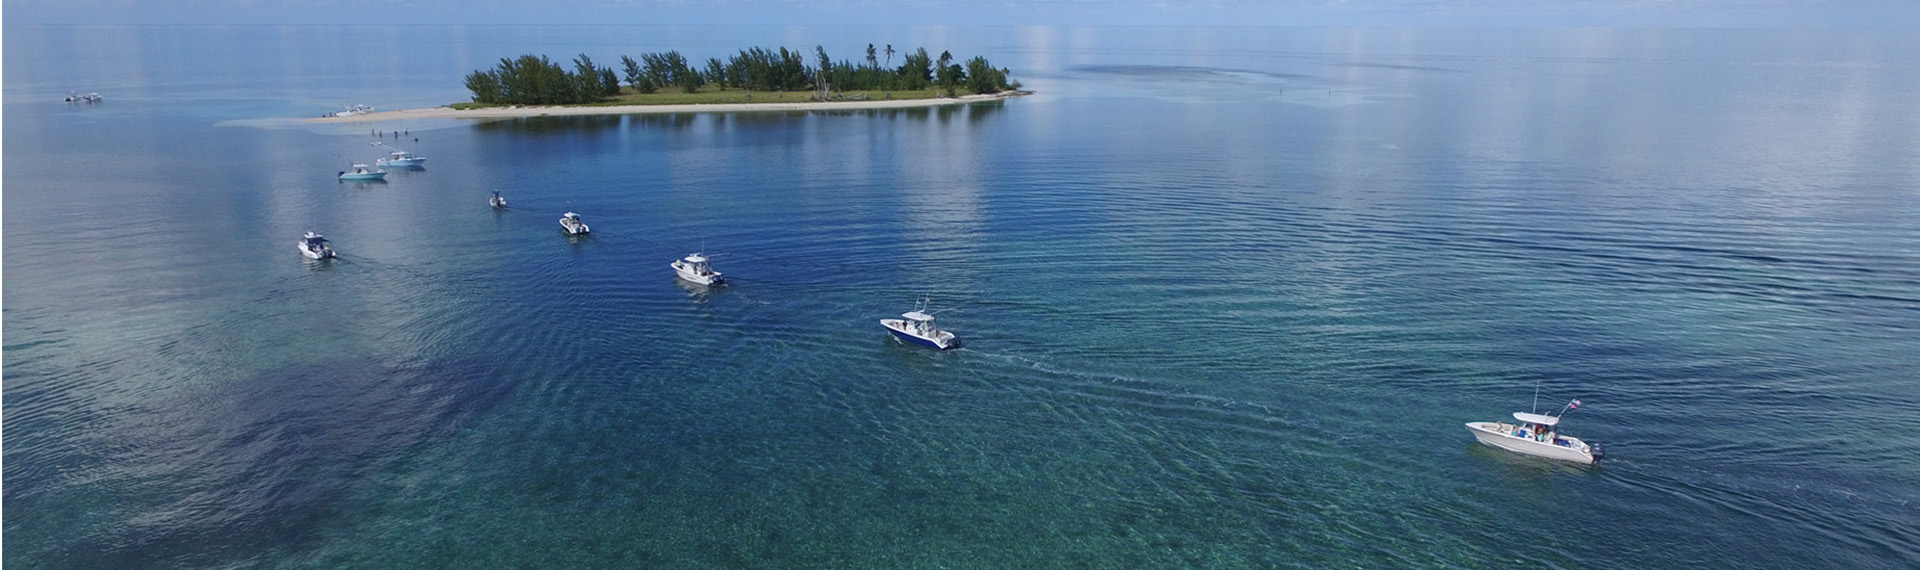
[1536, 396]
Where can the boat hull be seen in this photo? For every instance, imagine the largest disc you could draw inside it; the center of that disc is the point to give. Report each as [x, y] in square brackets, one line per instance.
[945, 341]
[1499, 435]
[688, 275]
[315, 253]
[365, 176]
[402, 162]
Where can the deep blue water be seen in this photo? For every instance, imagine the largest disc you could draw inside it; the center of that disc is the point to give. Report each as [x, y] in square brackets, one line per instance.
[1228, 296]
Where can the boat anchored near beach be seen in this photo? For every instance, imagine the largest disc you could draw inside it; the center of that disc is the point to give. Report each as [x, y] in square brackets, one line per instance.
[917, 327]
[351, 110]
[1536, 435]
[570, 222]
[398, 157]
[695, 268]
[496, 201]
[315, 247]
[363, 172]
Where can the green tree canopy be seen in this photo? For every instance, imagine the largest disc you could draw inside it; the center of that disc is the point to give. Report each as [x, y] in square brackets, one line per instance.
[536, 80]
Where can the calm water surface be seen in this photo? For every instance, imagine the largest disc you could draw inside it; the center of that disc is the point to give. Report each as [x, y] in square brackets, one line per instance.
[1228, 296]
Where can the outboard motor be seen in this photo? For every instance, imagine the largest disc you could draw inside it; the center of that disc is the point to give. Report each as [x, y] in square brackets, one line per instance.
[1598, 451]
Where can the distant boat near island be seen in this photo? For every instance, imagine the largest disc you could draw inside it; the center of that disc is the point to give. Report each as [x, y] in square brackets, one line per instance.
[350, 111]
[397, 157]
[363, 172]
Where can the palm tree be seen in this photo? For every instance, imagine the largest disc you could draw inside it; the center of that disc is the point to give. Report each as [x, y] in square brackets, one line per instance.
[890, 66]
[942, 75]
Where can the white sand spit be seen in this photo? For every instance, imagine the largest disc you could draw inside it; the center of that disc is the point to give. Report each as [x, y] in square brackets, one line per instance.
[513, 112]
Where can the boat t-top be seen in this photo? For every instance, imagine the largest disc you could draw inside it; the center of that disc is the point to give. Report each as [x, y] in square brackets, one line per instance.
[497, 201]
[572, 224]
[398, 157]
[363, 172]
[917, 327]
[315, 247]
[694, 267]
[1536, 434]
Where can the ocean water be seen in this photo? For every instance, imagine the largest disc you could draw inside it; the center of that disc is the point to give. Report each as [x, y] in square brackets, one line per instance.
[1227, 294]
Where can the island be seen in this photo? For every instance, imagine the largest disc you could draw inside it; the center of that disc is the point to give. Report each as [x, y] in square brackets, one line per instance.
[755, 79]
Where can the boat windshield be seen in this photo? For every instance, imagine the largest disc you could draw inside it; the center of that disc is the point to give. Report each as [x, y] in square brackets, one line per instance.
[1533, 431]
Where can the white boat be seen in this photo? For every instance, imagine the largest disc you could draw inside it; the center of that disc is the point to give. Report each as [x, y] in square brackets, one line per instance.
[572, 224]
[694, 267]
[315, 247]
[351, 110]
[363, 172]
[917, 327]
[497, 201]
[1535, 434]
[398, 157]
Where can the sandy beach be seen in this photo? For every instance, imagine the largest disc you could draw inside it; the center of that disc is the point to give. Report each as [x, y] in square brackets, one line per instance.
[521, 111]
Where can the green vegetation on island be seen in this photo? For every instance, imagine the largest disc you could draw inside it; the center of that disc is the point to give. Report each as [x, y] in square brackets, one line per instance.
[755, 75]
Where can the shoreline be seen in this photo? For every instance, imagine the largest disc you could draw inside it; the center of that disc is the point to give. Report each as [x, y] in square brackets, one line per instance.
[514, 112]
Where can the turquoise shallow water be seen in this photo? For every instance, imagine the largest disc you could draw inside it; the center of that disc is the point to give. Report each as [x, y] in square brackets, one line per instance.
[1228, 296]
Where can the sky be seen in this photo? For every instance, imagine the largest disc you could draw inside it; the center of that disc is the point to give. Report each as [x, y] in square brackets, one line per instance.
[1324, 13]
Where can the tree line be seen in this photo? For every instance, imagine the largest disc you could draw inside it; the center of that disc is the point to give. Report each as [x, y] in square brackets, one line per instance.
[536, 80]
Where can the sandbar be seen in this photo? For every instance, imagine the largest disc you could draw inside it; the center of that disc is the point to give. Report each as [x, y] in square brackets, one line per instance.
[556, 111]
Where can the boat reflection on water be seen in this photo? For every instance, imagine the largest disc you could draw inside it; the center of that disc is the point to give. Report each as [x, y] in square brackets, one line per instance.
[695, 291]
